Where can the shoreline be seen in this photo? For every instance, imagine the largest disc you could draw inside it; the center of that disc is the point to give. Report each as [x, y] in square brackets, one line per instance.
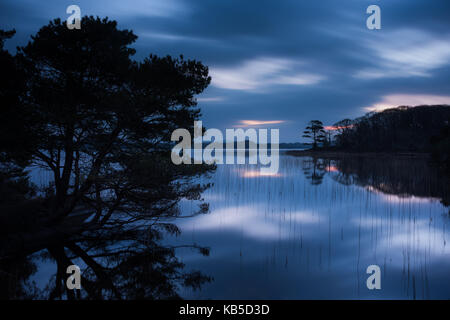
[341, 154]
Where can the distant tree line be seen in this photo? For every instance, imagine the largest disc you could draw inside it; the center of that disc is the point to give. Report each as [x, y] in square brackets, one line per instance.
[424, 129]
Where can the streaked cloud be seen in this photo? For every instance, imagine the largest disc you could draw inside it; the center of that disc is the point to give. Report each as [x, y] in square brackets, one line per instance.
[154, 8]
[406, 53]
[262, 73]
[260, 122]
[395, 100]
[210, 99]
[308, 57]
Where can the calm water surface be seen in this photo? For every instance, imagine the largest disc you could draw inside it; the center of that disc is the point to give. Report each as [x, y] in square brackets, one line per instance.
[308, 232]
[311, 231]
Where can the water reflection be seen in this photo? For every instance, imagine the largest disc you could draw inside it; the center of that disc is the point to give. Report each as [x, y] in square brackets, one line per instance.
[313, 232]
[120, 261]
[402, 176]
[315, 169]
[307, 232]
[258, 173]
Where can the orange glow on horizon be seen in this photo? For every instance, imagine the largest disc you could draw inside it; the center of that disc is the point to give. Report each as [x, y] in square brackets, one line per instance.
[333, 128]
[332, 169]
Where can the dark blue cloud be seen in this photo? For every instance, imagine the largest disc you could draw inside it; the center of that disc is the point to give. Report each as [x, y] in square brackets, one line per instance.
[282, 60]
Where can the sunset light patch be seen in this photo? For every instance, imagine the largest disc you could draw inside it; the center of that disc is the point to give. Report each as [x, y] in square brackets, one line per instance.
[245, 123]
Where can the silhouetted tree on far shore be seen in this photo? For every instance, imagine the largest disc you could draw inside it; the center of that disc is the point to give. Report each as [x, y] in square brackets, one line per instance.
[315, 131]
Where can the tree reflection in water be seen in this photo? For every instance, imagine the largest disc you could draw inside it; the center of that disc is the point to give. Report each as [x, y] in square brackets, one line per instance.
[403, 176]
[315, 169]
[117, 262]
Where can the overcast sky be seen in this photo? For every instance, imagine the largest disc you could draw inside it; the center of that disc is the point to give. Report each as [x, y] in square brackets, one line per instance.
[281, 63]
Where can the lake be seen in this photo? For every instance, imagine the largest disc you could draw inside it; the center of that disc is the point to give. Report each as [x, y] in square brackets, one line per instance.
[311, 230]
